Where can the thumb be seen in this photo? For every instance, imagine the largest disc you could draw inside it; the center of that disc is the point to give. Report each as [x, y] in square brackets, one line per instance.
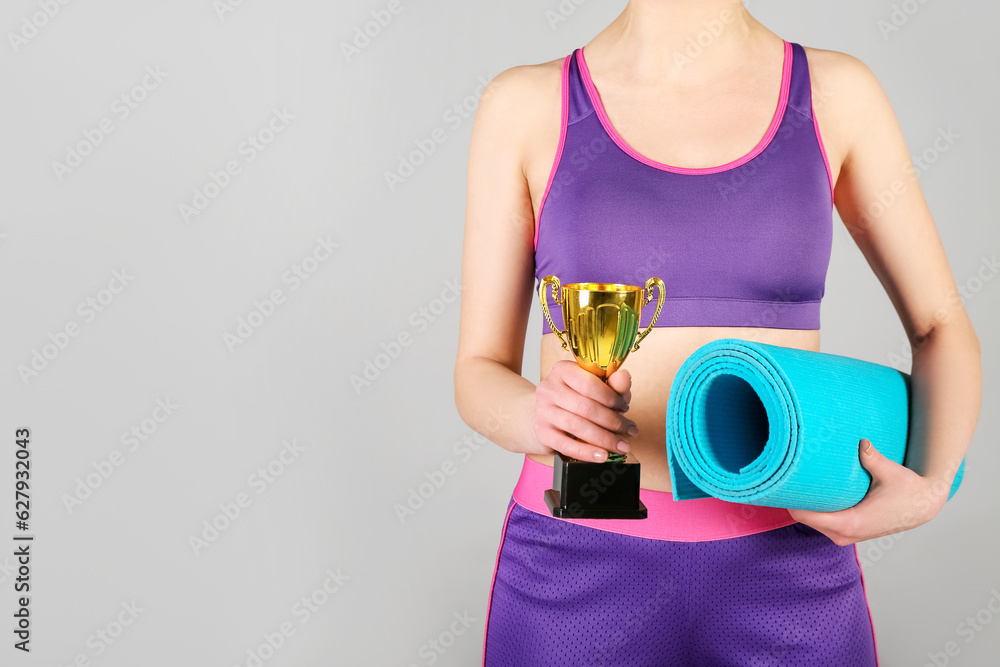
[620, 381]
[871, 459]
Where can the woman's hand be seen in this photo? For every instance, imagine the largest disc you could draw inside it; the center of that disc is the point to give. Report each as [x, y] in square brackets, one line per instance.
[897, 500]
[573, 401]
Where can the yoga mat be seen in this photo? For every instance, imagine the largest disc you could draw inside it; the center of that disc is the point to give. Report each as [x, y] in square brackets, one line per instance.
[779, 427]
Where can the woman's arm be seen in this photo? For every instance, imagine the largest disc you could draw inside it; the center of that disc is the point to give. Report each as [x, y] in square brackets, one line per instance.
[902, 246]
[880, 203]
[498, 269]
[498, 266]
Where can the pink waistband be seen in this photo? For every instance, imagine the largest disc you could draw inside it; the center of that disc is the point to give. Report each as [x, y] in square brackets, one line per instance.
[695, 520]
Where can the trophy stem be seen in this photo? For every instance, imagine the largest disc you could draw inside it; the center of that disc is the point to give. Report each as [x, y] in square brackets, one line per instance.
[614, 457]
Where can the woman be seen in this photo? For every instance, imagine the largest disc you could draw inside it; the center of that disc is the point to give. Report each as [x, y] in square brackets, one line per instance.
[715, 168]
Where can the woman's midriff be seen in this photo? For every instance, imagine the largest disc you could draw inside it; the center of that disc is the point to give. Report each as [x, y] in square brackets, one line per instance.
[652, 368]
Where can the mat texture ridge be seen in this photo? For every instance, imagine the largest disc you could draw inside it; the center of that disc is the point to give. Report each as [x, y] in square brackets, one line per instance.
[779, 427]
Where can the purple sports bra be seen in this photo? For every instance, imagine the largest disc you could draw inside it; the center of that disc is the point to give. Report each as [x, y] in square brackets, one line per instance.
[744, 244]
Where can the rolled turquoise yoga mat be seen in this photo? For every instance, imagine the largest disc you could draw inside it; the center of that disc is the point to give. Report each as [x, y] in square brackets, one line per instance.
[779, 427]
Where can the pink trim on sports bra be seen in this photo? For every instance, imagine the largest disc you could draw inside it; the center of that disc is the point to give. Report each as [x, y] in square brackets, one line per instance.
[779, 112]
[822, 149]
[562, 142]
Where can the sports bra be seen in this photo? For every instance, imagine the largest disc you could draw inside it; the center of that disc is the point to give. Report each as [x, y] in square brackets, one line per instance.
[746, 243]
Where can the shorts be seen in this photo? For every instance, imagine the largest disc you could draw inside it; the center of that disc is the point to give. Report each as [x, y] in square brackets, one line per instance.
[565, 594]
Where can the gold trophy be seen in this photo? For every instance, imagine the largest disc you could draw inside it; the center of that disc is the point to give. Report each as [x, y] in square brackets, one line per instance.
[602, 320]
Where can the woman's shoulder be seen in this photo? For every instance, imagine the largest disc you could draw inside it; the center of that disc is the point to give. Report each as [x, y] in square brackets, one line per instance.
[523, 95]
[847, 98]
[833, 73]
[527, 83]
[521, 106]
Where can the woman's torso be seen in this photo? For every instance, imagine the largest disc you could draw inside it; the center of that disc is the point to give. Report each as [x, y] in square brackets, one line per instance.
[710, 126]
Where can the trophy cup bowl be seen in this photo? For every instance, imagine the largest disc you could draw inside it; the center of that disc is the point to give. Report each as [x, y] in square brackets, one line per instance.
[602, 328]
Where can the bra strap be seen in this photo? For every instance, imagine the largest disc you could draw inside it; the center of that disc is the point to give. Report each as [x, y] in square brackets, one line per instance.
[799, 90]
[579, 101]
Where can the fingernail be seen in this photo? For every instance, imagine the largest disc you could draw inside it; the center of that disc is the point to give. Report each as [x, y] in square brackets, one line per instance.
[633, 430]
[868, 446]
[623, 447]
[599, 456]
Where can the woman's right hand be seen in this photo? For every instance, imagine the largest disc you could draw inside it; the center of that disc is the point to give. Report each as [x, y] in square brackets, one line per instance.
[571, 400]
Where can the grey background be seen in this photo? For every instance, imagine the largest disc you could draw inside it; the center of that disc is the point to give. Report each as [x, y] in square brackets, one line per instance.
[333, 508]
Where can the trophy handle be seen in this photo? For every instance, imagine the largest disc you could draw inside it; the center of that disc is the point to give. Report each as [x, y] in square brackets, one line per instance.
[558, 296]
[659, 304]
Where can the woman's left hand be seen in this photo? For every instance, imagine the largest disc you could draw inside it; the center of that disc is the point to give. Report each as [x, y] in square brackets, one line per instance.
[898, 499]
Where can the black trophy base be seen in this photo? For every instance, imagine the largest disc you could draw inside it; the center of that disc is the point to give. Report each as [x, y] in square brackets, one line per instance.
[591, 490]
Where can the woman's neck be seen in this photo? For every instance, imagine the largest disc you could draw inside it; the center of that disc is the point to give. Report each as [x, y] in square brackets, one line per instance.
[680, 40]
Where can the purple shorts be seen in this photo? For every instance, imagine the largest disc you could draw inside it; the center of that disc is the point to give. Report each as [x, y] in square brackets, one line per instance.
[567, 595]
